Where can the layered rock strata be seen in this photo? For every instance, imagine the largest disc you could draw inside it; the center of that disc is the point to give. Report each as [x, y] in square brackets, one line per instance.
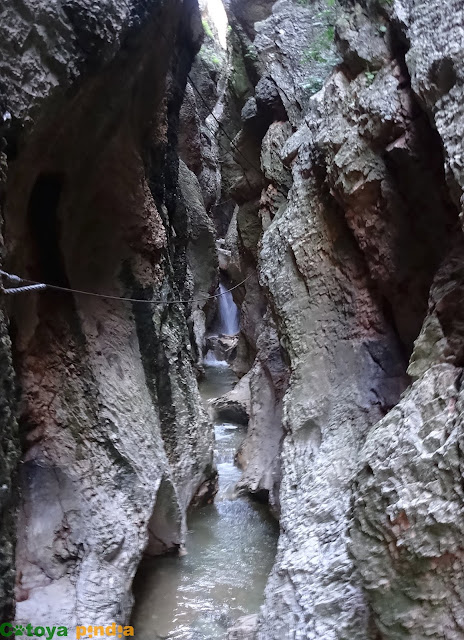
[115, 440]
[360, 205]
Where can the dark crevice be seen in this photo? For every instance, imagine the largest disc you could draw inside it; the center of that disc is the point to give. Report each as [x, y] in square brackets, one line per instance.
[44, 224]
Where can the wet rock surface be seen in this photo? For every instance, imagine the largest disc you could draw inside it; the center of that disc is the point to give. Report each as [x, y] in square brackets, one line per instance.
[244, 629]
[9, 456]
[233, 406]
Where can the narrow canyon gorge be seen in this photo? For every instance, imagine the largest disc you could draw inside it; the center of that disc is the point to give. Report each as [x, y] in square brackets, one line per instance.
[232, 282]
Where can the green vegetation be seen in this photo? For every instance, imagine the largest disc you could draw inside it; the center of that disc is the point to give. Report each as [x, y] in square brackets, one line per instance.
[209, 55]
[319, 51]
[330, 13]
[207, 29]
[370, 76]
[330, 4]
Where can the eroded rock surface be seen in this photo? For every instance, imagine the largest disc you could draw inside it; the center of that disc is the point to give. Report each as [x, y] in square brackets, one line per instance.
[9, 456]
[234, 406]
[337, 184]
[116, 441]
[408, 512]
[9, 452]
[357, 214]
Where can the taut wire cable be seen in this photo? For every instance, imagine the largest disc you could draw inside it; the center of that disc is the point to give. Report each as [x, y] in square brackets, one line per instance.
[32, 285]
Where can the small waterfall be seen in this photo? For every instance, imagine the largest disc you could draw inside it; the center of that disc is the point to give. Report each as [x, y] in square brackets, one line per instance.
[229, 317]
[211, 361]
[227, 324]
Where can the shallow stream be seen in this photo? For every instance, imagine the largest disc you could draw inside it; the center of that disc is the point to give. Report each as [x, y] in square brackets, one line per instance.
[231, 546]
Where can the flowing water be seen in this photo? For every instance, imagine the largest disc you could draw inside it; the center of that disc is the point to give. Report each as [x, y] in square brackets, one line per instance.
[227, 324]
[211, 361]
[228, 313]
[231, 547]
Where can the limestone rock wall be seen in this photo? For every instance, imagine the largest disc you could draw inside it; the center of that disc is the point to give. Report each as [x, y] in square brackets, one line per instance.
[408, 498]
[353, 223]
[9, 456]
[115, 440]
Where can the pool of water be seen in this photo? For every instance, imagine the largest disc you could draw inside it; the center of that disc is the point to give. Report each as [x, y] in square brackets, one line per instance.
[231, 547]
[217, 381]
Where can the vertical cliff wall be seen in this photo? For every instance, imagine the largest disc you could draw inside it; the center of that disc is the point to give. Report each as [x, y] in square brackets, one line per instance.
[115, 440]
[356, 236]
[409, 495]
[9, 456]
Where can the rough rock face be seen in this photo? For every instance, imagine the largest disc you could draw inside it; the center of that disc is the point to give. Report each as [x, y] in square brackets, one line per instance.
[435, 62]
[408, 510]
[243, 629]
[9, 453]
[357, 218]
[116, 442]
[234, 406]
[408, 499]
[346, 369]
[347, 178]
[259, 454]
[407, 533]
[201, 254]
[409, 495]
[259, 352]
[217, 89]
